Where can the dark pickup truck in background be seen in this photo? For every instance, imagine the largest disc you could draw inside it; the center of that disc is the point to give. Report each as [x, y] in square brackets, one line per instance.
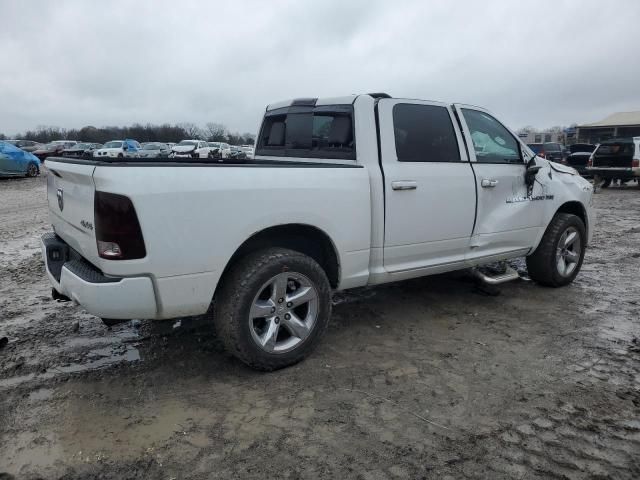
[549, 150]
[616, 159]
[578, 157]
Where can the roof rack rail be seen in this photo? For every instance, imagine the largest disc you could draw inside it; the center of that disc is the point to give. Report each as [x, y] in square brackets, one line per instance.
[379, 95]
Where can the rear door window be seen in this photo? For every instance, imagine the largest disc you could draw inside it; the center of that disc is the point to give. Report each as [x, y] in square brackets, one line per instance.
[424, 133]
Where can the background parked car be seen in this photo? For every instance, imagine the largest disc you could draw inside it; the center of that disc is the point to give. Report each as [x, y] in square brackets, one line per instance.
[53, 149]
[81, 150]
[154, 149]
[26, 145]
[578, 157]
[223, 149]
[248, 150]
[237, 153]
[191, 149]
[549, 150]
[16, 162]
[118, 149]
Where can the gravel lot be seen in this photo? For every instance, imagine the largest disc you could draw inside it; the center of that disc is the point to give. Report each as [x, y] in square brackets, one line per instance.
[423, 379]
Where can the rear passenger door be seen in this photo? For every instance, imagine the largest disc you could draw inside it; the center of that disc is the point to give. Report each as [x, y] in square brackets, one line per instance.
[429, 186]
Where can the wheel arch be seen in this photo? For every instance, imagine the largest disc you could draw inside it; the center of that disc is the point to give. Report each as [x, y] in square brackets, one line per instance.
[576, 208]
[303, 238]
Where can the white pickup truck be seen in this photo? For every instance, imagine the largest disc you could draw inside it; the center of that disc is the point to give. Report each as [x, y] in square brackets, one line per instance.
[342, 192]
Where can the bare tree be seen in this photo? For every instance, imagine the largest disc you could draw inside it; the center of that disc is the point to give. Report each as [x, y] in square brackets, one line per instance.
[215, 132]
[192, 130]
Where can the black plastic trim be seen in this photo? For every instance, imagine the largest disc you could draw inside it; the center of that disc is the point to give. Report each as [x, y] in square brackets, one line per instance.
[72, 261]
[87, 272]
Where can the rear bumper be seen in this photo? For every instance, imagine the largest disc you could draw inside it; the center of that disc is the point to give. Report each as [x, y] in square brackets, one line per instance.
[99, 294]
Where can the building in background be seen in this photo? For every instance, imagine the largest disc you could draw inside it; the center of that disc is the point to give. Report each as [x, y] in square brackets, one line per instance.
[556, 135]
[621, 124]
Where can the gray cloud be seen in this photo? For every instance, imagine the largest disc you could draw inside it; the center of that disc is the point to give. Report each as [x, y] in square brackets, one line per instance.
[75, 63]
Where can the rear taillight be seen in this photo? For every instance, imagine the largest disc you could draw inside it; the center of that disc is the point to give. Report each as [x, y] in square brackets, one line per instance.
[635, 163]
[542, 155]
[118, 233]
[590, 162]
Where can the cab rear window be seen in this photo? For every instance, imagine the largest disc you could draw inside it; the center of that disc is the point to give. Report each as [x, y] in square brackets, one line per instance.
[308, 132]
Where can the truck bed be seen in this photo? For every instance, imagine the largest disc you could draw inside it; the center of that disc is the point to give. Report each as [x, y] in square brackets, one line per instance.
[194, 215]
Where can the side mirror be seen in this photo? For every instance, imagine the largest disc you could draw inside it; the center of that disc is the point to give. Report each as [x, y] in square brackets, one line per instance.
[531, 172]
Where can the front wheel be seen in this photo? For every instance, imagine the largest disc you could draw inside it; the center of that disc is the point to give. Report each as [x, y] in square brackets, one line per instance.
[557, 260]
[272, 308]
[32, 170]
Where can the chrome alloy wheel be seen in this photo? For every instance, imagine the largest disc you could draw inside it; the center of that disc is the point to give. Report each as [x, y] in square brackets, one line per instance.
[568, 251]
[284, 312]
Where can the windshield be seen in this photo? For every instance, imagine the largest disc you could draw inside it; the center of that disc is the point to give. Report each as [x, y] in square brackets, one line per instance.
[112, 145]
[152, 146]
[81, 146]
[214, 144]
[187, 143]
[614, 148]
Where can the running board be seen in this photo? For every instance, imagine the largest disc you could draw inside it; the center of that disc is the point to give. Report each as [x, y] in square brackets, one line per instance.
[508, 275]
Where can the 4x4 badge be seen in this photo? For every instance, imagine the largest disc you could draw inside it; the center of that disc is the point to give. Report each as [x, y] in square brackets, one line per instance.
[60, 199]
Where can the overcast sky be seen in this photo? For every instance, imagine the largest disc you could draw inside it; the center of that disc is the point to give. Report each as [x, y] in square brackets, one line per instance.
[543, 63]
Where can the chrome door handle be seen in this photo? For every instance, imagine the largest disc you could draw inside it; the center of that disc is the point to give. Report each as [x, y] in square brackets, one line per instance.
[488, 183]
[404, 185]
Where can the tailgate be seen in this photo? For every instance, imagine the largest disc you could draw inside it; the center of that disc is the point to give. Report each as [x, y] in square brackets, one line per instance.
[70, 192]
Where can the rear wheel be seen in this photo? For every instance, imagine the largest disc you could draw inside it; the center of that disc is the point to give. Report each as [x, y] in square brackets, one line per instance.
[606, 183]
[558, 258]
[272, 308]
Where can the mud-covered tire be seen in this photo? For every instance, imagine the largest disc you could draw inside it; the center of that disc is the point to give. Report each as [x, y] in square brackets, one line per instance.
[542, 264]
[235, 299]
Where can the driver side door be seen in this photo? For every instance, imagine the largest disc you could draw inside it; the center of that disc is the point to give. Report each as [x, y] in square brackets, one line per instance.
[507, 219]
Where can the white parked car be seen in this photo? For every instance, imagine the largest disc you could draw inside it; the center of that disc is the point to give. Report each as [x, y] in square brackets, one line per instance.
[191, 149]
[248, 150]
[342, 193]
[118, 149]
[154, 150]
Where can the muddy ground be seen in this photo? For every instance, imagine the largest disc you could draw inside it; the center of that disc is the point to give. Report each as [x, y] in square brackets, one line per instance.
[423, 379]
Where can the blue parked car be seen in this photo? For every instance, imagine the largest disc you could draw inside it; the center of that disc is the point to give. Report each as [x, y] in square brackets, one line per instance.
[15, 162]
